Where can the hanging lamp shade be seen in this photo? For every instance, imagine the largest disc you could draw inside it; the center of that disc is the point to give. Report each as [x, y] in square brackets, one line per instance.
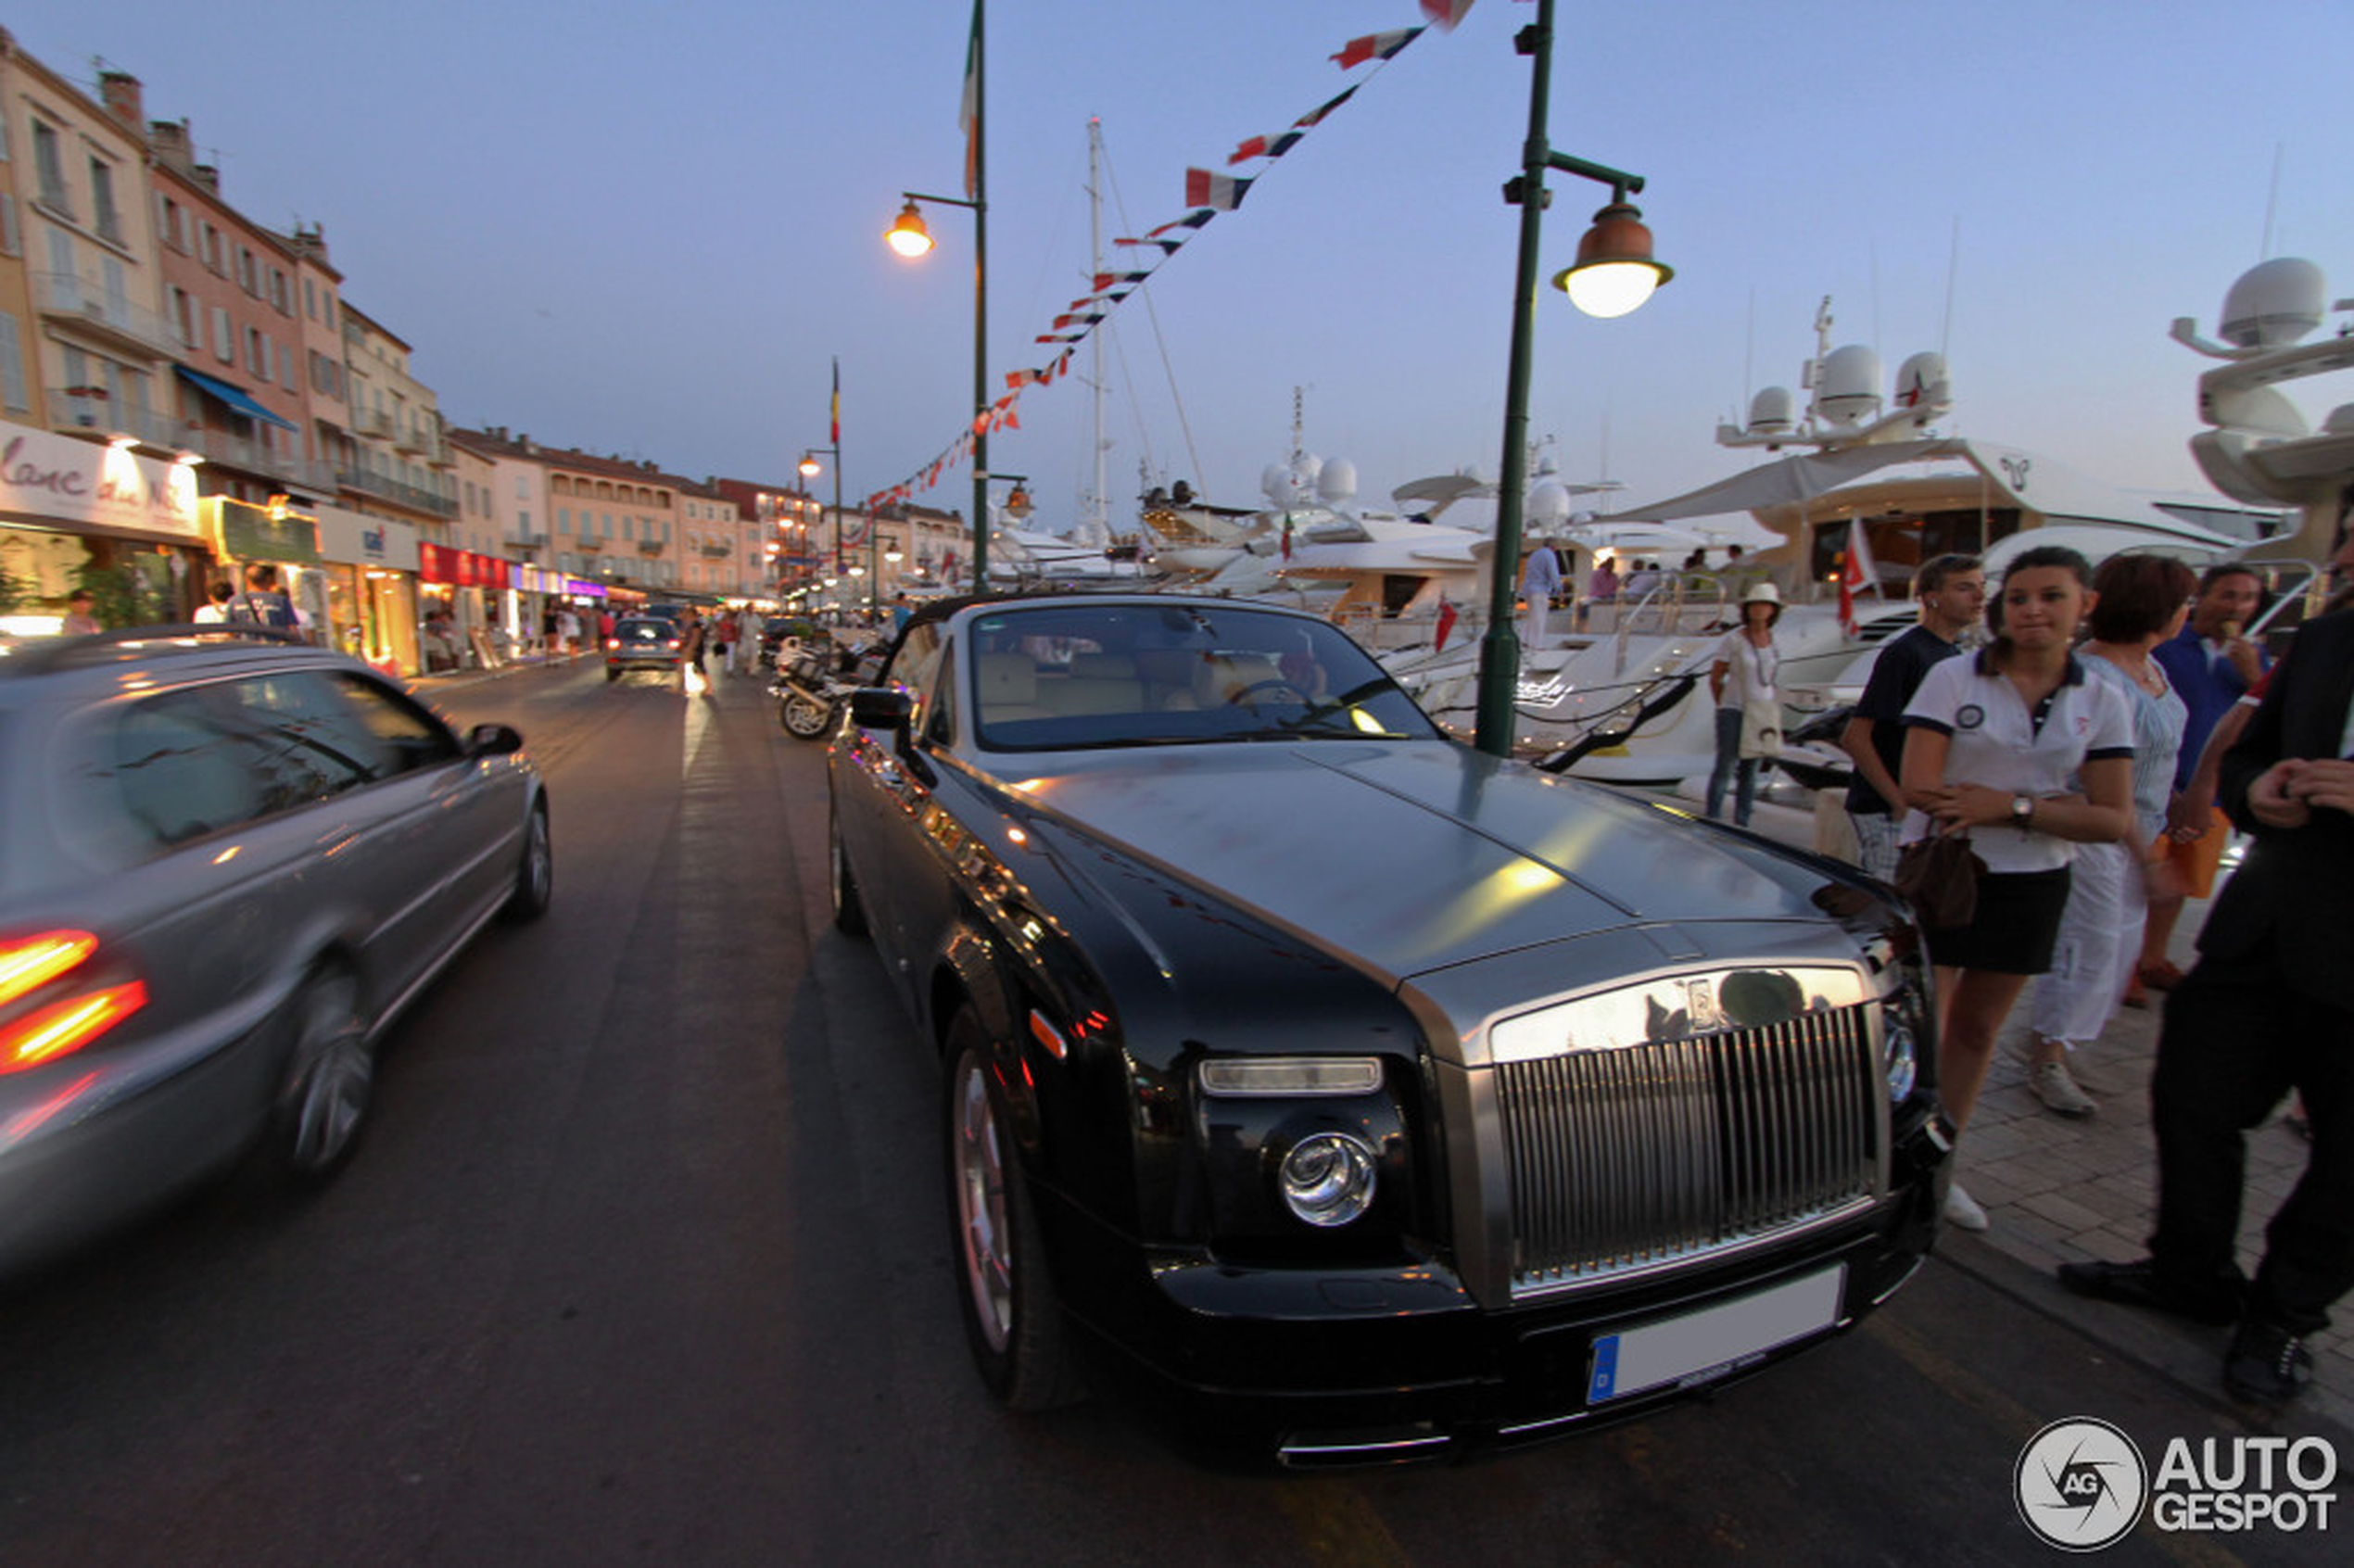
[907, 235]
[1614, 272]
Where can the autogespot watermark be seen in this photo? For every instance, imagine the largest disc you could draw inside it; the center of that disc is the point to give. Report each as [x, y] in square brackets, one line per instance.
[2081, 1484]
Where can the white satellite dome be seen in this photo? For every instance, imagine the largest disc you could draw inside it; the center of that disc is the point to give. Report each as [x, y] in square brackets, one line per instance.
[1848, 391]
[1337, 482]
[2275, 303]
[1290, 484]
[1547, 509]
[1923, 381]
[1772, 412]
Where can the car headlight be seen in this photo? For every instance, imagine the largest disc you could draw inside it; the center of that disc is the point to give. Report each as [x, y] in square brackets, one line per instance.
[1901, 1056]
[1327, 1178]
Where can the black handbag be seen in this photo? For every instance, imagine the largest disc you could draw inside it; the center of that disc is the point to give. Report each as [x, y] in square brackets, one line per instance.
[1938, 876]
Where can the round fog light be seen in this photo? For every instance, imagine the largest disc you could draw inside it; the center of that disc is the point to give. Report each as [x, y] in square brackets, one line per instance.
[1328, 1177]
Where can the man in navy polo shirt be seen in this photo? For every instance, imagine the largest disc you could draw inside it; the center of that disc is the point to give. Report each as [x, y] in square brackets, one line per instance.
[2211, 663]
[1952, 590]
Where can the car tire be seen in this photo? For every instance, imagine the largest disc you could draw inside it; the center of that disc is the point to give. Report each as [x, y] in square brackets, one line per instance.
[327, 1085]
[850, 911]
[534, 871]
[613, 672]
[1012, 1319]
[804, 719]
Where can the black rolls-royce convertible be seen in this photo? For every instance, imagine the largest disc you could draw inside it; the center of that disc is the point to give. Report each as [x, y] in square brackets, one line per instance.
[1346, 1093]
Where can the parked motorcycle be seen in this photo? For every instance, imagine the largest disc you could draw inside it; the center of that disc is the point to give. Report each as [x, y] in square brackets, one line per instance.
[814, 684]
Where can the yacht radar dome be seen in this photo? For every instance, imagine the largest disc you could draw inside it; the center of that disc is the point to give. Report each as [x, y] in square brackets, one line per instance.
[1337, 482]
[1547, 508]
[1773, 411]
[1848, 393]
[1923, 382]
[2275, 303]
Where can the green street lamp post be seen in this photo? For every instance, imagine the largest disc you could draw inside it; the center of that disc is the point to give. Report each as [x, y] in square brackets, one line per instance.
[1612, 274]
[909, 237]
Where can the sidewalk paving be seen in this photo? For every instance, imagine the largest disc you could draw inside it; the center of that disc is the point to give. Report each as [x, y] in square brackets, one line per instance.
[2057, 1191]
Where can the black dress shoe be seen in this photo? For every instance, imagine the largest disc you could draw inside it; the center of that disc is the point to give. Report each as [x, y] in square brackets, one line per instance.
[2143, 1284]
[2267, 1363]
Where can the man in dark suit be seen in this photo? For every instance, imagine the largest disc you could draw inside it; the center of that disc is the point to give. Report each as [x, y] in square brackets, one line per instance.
[2267, 1009]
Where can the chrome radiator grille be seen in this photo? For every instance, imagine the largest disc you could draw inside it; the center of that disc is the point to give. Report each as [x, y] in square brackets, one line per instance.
[1628, 1159]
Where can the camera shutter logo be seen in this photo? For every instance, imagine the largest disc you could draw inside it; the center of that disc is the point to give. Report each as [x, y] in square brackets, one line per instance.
[2079, 1485]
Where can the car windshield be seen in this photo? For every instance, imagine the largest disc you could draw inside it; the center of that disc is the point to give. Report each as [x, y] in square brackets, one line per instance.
[644, 631]
[1061, 676]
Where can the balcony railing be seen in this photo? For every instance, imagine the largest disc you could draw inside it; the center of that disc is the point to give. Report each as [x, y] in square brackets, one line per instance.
[251, 454]
[105, 416]
[650, 546]
[393, 490]
[65, 296]
[527, 543]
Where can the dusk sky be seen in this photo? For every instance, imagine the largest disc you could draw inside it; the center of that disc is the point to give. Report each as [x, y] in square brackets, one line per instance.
[647, 229]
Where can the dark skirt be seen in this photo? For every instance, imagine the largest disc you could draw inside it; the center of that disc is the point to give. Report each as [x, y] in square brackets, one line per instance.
[2016, 928]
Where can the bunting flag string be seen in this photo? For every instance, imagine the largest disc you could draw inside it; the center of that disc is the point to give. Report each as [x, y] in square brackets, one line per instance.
[1264, 146]
[1207, 194]
[1376, 46]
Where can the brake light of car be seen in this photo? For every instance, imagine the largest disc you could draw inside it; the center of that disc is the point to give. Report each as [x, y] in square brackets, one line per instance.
[32, 1034]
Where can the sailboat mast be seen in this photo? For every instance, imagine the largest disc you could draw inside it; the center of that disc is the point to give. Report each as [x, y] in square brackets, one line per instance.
[1098, 521]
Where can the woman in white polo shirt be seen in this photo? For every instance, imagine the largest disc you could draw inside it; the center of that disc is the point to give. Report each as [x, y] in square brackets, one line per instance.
[1992, 744]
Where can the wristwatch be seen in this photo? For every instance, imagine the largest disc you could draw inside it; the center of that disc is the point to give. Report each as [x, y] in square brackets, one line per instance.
[2022, 810]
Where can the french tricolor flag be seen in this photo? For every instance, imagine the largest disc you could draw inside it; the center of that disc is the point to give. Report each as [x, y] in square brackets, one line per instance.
[1220, 193]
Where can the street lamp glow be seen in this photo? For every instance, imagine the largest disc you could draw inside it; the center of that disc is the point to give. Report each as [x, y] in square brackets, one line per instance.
[1614, 272]
[907, 235]
[810, 466]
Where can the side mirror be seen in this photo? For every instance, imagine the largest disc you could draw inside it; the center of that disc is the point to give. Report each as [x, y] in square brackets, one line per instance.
[880, 707]
[493, 741]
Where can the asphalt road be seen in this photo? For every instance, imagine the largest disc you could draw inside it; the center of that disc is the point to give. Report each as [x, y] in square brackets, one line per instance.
[645, 1261]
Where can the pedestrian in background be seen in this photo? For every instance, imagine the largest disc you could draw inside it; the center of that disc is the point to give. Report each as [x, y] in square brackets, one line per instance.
[2211, 664]
[1996, 747]
[724, 631]
[2264, 1011]
[2142, 601]
[263, 604]
[1951, 590]
[78, 620]
[1743, 676]
[216, 606]
[691, 675]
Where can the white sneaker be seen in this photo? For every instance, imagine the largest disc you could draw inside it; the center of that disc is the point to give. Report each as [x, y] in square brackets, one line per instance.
[1962, 1211]
[2060, 1092]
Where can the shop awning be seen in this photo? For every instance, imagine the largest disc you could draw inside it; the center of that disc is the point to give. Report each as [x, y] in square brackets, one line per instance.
[236, 397]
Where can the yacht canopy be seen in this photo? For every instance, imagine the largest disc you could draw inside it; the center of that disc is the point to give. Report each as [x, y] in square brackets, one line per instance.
[2011, 477]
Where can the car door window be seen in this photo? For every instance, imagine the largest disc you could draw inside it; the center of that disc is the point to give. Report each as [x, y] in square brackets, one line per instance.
[408, 735]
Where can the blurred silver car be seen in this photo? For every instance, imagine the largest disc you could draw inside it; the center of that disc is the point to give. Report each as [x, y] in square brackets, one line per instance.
[644, 642]
[227, 862]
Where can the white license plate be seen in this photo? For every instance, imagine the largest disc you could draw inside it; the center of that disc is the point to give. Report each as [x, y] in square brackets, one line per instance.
[1700, 1346]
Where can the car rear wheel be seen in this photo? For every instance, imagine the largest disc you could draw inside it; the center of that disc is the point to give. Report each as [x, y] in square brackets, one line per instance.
[535, 872]
[850, 912]
[1011, 1319]
[329, 1082]
[613, 672]
[805, 717]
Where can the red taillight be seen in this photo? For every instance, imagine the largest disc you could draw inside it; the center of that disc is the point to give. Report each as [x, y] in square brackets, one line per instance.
[65, 1027]
[28, 964]
[54, 1029]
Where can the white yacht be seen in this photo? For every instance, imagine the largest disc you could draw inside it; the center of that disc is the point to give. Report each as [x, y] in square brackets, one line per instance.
[1624, 698]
